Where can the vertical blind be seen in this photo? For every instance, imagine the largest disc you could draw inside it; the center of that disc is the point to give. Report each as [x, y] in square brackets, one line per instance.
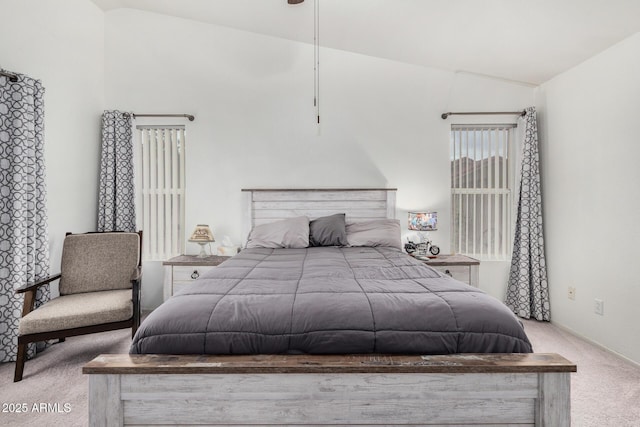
[161, 162]
[481, 195]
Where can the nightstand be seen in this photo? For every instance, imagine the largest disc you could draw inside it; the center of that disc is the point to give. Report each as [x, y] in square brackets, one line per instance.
[184, 269]
[460, 267]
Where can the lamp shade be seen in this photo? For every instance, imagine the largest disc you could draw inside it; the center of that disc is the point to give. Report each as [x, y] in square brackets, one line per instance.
[202, 234]
[423, 221]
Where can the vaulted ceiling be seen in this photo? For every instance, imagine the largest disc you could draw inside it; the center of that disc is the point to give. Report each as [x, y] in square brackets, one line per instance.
[528, 41]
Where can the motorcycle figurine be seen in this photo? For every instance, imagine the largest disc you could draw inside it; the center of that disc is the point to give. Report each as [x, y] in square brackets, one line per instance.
[421, 248]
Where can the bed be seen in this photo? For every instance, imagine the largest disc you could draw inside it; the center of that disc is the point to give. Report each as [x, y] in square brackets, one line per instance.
[329, 300]
[329, 336]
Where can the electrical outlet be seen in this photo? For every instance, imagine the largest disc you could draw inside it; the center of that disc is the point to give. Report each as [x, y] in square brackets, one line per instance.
[571, 294]
[599, 307]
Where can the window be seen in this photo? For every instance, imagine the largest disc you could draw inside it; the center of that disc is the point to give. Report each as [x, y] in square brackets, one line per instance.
[160, 174]
[481, 190]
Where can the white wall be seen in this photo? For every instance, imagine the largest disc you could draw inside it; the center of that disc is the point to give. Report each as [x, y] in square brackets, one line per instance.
[255, 126]
[61, 43]
[590, 150]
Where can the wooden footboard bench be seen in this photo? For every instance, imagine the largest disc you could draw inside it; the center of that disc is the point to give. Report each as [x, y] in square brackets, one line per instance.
[335, 390]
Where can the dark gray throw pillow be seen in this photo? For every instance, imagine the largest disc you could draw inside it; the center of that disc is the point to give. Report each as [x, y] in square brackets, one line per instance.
[328, 231]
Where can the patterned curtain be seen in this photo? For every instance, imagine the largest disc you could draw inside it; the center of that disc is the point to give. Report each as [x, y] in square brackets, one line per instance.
[24, 248]
[116, 198]
[528, 290]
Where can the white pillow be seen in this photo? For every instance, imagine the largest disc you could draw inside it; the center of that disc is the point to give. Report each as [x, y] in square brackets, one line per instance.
[378, 232]
[287, 233]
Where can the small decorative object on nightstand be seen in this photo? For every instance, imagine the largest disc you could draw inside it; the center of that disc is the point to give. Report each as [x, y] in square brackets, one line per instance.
[227, 248]
[182, 270]
[460, 267]
[202, 235]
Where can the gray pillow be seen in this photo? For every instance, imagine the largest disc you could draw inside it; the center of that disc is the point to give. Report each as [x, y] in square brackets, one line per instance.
[378, 232]
[328, 231]
[287, 233]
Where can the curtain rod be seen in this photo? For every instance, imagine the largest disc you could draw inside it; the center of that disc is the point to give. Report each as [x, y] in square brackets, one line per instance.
[12, 77]
[191, 117]
[520, 113]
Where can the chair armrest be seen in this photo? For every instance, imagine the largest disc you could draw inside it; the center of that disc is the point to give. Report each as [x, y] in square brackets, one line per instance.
[30, 286]
[137, 274]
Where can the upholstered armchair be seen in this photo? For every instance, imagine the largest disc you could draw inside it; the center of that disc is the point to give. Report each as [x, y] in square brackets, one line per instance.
[99, 291]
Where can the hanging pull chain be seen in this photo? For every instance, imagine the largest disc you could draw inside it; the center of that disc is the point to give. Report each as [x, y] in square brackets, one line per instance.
[316, 60]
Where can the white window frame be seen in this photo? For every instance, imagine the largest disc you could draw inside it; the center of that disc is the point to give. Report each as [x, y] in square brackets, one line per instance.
[159, 157]
[482, 200]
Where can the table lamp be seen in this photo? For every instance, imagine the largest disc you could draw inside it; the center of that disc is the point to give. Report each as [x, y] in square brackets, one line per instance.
[202, 235]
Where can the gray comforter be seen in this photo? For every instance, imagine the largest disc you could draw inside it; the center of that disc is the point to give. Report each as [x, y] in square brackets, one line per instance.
[329, 301]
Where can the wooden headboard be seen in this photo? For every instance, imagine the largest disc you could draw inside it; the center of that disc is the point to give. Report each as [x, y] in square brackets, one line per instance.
[261, 206]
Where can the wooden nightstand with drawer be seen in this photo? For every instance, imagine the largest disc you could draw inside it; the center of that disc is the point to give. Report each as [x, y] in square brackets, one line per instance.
[460, 267]
[182, 270]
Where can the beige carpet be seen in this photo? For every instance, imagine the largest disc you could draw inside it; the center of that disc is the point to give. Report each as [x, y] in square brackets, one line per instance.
[55, 376]
[605, 391]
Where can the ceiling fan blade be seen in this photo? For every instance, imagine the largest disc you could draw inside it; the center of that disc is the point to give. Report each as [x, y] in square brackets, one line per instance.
[294, 1]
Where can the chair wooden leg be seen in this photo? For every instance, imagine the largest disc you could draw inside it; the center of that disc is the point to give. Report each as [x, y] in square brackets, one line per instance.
[20, 359]
[136, 321]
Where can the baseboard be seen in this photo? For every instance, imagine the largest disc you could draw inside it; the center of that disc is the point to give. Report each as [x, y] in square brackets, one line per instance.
[595, 343]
